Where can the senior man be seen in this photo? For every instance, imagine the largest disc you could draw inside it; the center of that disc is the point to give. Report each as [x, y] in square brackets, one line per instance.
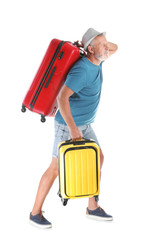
[78, 102]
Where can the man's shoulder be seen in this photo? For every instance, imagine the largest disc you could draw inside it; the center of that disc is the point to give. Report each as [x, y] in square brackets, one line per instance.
[81, 62]
[79, 66]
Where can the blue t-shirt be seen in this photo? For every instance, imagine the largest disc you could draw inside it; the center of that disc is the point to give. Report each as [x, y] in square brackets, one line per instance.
[85, 79]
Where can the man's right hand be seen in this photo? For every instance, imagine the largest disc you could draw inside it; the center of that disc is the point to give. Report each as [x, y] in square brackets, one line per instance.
[75, 133]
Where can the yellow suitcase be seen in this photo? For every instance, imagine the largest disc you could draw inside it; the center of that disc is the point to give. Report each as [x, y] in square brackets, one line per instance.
[79, 169]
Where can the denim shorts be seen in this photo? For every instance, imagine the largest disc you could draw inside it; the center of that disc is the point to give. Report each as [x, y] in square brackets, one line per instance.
[62, 134]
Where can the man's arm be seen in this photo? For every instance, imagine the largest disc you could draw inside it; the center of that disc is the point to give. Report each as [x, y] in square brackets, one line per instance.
[112, 48]
[64, 107]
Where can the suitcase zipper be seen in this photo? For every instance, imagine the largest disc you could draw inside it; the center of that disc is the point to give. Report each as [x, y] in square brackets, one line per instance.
[46, 75]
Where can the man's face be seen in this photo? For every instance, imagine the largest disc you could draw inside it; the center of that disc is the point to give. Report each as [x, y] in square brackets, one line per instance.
[100, 47]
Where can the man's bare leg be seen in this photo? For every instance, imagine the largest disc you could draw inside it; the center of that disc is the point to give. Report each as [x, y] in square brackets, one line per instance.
[92, 204]
[44, 186]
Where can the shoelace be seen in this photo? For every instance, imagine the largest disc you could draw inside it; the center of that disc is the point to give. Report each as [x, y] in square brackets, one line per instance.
[101, 209]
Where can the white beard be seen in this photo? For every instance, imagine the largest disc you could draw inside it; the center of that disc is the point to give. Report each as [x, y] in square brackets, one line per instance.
[102, 57]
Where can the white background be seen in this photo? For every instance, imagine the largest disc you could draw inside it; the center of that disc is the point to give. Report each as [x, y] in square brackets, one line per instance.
[127, 123]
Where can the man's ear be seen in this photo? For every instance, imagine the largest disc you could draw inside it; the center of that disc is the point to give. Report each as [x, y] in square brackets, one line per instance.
[90, 49]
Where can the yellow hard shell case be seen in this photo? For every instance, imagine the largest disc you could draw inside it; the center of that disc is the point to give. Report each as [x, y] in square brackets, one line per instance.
[79, 169]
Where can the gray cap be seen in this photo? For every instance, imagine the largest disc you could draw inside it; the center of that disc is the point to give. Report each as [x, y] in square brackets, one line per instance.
[89, 35]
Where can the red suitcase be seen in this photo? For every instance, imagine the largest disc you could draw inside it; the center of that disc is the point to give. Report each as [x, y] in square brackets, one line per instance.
[41, 96]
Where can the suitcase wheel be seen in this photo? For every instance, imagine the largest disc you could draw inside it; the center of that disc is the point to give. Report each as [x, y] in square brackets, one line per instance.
[23, 109]
[96, 198]
[64, 201]
[58, 193]
[43, 119]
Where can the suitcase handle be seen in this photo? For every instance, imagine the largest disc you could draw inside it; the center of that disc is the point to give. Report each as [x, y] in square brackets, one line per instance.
[51, 75]
[78, 44]
[81, 47]
[78, 140]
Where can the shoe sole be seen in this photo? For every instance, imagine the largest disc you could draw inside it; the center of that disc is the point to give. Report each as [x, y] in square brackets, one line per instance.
[99, 218]
[39, 225]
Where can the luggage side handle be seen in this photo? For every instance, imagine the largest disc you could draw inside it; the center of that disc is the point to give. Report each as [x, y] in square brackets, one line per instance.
[50, 77]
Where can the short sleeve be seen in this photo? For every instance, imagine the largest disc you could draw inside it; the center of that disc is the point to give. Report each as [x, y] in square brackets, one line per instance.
[76, 78]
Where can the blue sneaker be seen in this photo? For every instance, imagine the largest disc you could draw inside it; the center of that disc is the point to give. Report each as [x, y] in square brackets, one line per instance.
[98, 214]
[39, 221]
